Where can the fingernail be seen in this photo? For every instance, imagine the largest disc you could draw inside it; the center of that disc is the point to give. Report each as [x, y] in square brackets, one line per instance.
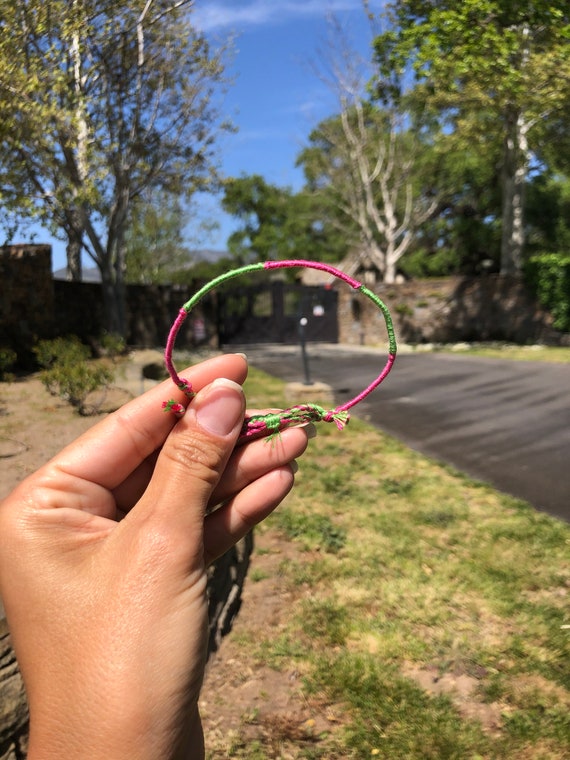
[220, 407]
[310, 430]
[243, 356]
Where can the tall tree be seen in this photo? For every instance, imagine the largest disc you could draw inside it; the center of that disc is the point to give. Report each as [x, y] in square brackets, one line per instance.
[365, 160]
[102, 100]
[489, 67]
[366, 165]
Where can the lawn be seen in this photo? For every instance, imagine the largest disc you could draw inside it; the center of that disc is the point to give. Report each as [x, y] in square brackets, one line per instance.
[426, 612]
[535, 353]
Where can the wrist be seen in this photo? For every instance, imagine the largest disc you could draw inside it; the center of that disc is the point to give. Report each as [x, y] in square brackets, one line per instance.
[55, 737]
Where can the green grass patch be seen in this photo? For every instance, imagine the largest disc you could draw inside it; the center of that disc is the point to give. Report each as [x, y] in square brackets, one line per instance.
[536, 353]
[404, 567]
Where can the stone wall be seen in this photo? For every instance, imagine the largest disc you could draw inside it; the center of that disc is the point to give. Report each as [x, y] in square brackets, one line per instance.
[448, 310]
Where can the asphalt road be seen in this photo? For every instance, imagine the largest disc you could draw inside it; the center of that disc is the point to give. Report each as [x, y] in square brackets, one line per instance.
[503, 422]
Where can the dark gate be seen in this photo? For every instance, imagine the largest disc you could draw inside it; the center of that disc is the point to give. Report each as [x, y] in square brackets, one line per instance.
[272, 313]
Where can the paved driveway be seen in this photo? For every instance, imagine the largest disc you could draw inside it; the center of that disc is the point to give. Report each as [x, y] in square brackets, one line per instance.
[504, 422]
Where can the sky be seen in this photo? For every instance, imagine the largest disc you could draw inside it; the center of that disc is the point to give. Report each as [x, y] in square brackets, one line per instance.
[275, 97]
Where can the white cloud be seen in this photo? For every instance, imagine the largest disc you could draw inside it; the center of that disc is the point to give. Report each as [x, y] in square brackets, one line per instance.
[237, 16]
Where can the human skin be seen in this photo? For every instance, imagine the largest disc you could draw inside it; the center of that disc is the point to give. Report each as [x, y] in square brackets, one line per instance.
[103, 560]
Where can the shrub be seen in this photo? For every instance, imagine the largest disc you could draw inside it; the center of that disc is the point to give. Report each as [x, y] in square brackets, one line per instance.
[112, 344]
[61, 351]
[69, 371]
[548, 275]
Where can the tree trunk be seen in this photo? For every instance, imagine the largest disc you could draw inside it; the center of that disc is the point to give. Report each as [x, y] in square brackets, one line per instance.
[73, 251]
[515, 166]
[114, 303]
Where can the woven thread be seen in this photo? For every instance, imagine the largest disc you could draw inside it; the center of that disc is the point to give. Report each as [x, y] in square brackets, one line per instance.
[272, 423]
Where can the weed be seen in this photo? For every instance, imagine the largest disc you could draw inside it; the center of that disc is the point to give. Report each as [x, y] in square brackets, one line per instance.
[404, 310]
[256, 575]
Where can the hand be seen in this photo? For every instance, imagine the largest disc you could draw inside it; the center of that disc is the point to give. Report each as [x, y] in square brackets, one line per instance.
[103, 557]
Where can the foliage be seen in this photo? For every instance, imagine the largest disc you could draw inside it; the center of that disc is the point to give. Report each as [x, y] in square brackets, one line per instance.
[61, 350]
[68, 371]
[548, 213]
[549, 276]
[111, 345]
[154, 240]
[278, 224]
[486, 68]
[102, 101]
[8, 358]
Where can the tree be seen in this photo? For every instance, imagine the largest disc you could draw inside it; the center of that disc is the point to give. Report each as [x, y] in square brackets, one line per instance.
[154, 240]
[277, 223]
[102, 100]
[365, 161]
[488, 67]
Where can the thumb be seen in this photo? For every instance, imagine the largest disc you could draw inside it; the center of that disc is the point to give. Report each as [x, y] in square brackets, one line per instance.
[193, 459]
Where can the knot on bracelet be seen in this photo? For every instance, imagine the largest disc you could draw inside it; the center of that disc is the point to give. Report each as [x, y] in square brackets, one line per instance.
[176, 407]
[273, 422]
[186, 387]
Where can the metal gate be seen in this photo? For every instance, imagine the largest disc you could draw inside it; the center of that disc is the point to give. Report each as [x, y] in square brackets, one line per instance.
[272, 313]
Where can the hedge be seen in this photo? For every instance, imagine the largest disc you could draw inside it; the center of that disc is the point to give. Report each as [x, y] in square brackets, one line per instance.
[548, 274]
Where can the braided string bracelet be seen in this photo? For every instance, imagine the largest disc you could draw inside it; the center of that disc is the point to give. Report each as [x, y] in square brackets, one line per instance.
[258, 425]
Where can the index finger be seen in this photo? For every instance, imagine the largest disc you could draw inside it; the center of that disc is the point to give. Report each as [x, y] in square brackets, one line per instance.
[111, 450]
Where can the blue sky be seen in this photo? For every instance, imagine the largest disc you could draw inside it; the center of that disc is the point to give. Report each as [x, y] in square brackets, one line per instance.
[275, 98]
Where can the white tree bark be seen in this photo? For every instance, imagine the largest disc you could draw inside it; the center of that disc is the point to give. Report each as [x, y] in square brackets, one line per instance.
[378, 196]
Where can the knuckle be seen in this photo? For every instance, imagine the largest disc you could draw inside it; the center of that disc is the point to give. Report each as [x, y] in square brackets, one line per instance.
[196, 457]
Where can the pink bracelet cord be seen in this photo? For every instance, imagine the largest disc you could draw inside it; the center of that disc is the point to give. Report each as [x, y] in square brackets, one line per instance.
[271, 424]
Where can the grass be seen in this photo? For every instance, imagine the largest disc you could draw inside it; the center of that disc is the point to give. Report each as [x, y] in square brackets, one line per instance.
[407, 568]
[536, 353]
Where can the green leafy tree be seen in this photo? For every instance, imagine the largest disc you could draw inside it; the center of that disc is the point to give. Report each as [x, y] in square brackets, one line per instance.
[102, 100]
[276, 223]
[464, 236]
[548, 214]
[488, 67]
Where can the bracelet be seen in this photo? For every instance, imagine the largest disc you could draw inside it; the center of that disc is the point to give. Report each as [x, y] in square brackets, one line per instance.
[272, 423]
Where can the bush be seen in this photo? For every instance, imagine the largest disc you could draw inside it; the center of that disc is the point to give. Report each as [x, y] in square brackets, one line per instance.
[112, 344]
[7, 361]
[75, 382]
[548, 274]
[61, 351]
[69, 371]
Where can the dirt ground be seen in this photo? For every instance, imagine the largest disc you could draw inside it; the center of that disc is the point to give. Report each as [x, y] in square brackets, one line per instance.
[244, 702]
